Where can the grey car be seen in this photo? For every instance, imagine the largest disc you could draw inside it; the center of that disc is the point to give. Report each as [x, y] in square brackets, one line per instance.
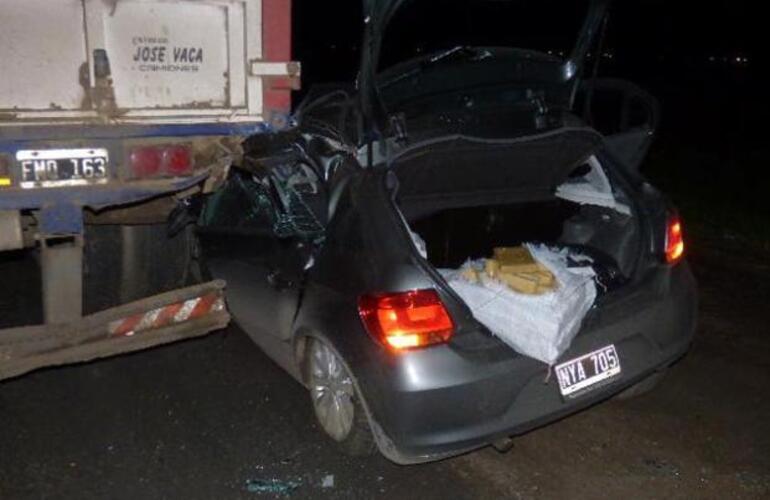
[467, 147]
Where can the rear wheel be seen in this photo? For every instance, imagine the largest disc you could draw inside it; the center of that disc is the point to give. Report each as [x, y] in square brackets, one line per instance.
[336, 401]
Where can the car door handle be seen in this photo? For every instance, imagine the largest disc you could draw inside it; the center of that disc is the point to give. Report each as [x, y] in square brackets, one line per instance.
[276, 280]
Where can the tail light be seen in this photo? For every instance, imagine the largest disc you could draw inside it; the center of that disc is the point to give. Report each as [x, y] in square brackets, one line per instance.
[160, 161]
[674, 240]
[407, 320]
[145, 162]
[177, 160]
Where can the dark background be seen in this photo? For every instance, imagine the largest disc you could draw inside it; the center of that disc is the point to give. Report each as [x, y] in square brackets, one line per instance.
[700, 59]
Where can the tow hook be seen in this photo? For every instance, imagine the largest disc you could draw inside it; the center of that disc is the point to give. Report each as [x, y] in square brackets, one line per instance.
[503, 445]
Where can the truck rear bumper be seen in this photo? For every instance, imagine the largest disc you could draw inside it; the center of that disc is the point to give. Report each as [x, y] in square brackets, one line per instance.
[161, 319]
[112, 194]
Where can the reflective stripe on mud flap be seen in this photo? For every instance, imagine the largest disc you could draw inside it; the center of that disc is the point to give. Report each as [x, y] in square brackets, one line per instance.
[171, 314]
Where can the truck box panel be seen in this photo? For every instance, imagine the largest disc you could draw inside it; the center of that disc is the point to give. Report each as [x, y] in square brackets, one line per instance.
[42, 48]
[113, 62]
[162, 58]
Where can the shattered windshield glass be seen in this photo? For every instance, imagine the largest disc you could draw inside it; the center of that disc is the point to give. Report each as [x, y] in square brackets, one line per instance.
[287, 202]
[303, 203]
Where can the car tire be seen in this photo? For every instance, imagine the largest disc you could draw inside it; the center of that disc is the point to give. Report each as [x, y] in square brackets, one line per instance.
[336, 401]
[643, 387]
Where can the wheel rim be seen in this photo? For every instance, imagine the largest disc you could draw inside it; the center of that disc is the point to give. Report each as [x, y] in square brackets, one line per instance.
[331, 388]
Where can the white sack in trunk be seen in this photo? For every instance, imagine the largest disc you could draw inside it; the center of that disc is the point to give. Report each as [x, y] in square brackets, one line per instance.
[594, 188]
[538, 326]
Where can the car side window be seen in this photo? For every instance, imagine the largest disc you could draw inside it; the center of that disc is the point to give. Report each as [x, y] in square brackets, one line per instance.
[243, 204]
[302, 201]
[285, 202]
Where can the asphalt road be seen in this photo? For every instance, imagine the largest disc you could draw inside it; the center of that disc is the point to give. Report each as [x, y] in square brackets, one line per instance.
[212, 418]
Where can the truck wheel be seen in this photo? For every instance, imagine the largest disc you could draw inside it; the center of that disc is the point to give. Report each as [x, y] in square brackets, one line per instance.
[336, 401]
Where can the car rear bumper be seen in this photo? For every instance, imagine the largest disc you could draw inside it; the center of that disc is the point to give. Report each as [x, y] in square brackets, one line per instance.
[442, 402]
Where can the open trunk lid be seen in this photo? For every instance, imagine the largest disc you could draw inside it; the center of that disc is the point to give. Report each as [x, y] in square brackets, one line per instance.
[379, 13]
[472, 171]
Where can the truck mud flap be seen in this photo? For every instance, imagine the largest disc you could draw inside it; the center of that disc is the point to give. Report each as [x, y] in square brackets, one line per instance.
[161, 319]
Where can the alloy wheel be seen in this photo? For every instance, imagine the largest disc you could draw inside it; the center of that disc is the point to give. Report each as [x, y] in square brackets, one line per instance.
[332, 392]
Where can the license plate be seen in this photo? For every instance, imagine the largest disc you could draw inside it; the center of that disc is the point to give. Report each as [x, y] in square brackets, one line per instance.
[61, 167]
[586, 372]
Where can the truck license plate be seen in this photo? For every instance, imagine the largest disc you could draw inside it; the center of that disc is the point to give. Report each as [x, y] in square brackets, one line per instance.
[48, 168]
[579, 375]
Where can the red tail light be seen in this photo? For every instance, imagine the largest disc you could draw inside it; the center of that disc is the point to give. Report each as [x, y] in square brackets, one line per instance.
[674, 240]
[145, 162]
[406, 320]
[160, 161]
[177, 160]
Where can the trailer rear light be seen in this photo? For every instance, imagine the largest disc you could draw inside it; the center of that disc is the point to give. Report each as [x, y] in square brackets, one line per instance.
[177, 161]
[407, 320]
[148, 162]
[674, 240]
[145, 162]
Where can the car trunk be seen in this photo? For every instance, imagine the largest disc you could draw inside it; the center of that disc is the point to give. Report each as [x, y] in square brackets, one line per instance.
[470, 198]
[455, 235]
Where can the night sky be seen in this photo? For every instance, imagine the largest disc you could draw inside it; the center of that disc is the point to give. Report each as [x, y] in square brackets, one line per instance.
[647, 30]
[700, 59]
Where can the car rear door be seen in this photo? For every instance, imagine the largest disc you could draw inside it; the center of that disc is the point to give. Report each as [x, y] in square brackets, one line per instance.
[249, 242]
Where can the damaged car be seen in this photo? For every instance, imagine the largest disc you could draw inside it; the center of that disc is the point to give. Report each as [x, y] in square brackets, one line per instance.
[447, 253]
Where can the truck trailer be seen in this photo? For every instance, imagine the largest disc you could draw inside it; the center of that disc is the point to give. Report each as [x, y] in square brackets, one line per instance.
[112, 114]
